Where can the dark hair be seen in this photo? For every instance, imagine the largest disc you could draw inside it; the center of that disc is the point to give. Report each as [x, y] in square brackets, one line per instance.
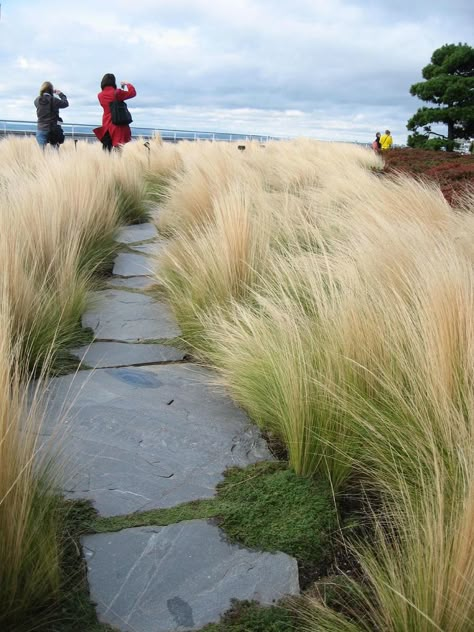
[108, 80]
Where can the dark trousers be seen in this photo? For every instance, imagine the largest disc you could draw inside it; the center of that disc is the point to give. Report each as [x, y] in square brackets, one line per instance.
[107, 142]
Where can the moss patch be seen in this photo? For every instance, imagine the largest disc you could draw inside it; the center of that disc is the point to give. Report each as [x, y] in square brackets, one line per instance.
[200, 509]
[264, 506]
[249, 616]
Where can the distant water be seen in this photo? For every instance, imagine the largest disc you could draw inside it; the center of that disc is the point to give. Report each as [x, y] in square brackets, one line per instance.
[85, 131]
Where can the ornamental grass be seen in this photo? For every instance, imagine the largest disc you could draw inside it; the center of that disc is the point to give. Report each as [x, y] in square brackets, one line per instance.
[337, 305]
[59, 212]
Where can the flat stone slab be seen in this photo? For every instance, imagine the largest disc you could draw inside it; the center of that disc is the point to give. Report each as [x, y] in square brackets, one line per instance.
[179, 577]
[139, 438]
[136, 233]
[153, 248]
[117, 354]
[129, 265]
[135, 282]
[123, 316]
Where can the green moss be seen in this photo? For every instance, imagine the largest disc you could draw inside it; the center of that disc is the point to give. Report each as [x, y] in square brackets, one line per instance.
[264, 506]
[267, 506]
[199, 509]
[249, 616]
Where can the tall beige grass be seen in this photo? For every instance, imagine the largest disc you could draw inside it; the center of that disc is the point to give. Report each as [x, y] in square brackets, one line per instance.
[58, 214]
[51, 226]
[30, 523]
[412, 334]
[348, 332]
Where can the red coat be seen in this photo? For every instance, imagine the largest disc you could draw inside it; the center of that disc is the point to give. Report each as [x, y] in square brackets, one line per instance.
[120, 134]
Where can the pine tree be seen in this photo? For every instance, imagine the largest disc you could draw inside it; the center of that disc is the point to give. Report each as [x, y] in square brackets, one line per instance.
[449, 85]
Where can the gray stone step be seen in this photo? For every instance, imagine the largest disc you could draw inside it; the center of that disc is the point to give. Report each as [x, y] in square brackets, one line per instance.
[136, 233]
[134, 282]
[130, 265]
[121, 316]
[114, 354]
[180, 577]
[153, 248]
[141, 438]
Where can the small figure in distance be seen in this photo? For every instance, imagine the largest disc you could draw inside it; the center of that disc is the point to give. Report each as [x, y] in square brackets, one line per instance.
[376, 144]
[48, 104]
[110, 135]
[386, 141]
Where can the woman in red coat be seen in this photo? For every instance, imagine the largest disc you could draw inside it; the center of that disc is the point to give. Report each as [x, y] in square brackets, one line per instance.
[111, 135]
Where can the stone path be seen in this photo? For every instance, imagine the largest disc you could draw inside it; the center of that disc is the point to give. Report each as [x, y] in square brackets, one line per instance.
[146, 429]
[187, 571]
[119, 354]
[129, 317]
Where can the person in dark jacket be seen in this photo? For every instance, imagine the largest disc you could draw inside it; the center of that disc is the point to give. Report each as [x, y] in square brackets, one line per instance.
[111, 135]
[376, 146]
[48, 104]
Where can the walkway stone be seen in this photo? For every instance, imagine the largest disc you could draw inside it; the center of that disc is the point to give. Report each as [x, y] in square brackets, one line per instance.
[134, 282]
[118, 354]
[136, 233]
[130, 317]
[140, 438]
[180, 577]
[129, 265]
[153, 248]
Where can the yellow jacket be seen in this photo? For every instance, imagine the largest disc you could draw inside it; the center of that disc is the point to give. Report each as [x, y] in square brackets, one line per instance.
[386, 141]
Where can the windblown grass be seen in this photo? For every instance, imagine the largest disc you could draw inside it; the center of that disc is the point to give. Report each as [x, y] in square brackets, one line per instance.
[346, 328]
[29, 521]
[59, 212]
[57, 225]
[204, 278]
[337, 306]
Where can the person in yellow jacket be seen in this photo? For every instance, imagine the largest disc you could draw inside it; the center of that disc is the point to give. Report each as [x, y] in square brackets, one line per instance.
[386, 141]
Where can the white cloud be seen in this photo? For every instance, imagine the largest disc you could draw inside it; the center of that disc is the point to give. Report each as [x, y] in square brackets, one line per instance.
[340, 68]
[35, 65]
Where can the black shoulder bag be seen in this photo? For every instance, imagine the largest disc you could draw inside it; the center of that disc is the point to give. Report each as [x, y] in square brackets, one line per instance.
[55, 134]
[119, 112]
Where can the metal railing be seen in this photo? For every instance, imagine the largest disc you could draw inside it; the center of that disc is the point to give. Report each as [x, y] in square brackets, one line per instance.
[80, 131]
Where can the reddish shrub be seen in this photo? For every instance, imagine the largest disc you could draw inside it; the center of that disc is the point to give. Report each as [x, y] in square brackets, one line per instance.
[452, 171]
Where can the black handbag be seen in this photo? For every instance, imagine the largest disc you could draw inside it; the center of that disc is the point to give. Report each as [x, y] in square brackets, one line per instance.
[120, 113]
[55, 134]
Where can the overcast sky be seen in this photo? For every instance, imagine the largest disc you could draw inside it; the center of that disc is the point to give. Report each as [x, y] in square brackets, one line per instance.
[329, 69]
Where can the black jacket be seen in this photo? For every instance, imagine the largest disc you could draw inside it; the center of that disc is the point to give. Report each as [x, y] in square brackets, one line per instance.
[47, 109]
